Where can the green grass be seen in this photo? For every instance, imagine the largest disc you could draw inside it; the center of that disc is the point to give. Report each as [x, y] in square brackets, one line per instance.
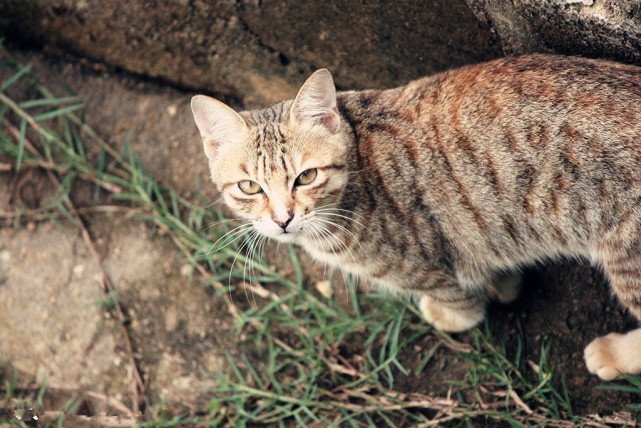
[23, 405]
[310, 360]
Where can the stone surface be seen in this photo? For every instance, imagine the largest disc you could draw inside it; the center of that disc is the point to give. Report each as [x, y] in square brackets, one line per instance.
[593, 28]
[52, 322]
[53, 326]
[255, 53]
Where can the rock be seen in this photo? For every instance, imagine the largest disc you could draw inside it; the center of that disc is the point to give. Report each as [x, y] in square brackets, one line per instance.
[54, 326]
[256, 53]
[603, 29]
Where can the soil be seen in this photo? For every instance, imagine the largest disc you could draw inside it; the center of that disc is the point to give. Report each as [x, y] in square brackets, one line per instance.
[52, 327]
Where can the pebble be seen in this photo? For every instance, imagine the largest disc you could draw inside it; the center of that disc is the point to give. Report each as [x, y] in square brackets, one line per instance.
[78, 270]
[185, 270]
[324, 288]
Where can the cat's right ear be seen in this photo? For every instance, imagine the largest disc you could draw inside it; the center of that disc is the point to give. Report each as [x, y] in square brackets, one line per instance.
[218, 124]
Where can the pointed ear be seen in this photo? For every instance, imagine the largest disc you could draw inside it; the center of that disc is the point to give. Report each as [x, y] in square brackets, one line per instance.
[316, 102]
[218, 124]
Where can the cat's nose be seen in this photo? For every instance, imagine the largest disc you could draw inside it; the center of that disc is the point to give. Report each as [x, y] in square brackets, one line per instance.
[283, 223]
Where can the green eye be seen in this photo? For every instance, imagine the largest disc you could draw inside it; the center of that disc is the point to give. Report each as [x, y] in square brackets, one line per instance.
[306, 177]
[249, 187]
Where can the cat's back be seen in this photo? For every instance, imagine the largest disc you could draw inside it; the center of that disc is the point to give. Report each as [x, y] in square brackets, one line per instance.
[530, 106]
[552, 77]
[529, 84]
[512, 156]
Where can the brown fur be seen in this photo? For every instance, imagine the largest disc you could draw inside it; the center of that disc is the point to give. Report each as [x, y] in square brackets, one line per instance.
[439, 187]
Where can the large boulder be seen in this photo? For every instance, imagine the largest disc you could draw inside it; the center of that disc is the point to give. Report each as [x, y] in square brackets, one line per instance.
[254, 52]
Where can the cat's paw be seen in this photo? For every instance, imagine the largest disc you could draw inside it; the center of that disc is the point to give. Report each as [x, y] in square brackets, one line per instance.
[611, 355]
[448, 319]
[505, 288]
[600, 357]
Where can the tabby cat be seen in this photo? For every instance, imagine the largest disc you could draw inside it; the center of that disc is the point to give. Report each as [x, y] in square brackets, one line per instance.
[440, 187]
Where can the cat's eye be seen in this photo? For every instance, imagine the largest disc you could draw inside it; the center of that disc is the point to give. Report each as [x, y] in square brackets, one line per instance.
[306, 177]
[249, 187]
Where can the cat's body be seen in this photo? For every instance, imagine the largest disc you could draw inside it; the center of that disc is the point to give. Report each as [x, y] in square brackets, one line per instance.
[439, 187]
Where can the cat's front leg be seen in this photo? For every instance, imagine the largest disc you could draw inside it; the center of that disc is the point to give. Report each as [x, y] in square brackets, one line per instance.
[452, 318]
[610, 355]
[453, 307]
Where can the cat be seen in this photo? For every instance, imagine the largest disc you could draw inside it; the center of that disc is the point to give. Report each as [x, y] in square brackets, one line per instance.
[441, 187]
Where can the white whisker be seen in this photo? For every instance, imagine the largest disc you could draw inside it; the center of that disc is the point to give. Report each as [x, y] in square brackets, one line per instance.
[249, 264]
[331, 212]
[312, 229]
[325, 221]
[236, 233]
[333, 208]
[221, 221]
[214, 203]
[261, 245]
[333, 239]
[327, 235]
[246, 242]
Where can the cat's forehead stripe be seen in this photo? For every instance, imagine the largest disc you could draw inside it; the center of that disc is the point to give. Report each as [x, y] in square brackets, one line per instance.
[275, 115]
[268, 136]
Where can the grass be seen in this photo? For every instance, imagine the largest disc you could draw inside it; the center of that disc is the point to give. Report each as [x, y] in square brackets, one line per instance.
[311, 360]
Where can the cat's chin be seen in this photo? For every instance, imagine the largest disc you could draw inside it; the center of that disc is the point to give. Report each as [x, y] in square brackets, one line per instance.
[286, 237]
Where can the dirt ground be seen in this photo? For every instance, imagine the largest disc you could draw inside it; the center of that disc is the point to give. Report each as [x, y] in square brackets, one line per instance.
[52, 327]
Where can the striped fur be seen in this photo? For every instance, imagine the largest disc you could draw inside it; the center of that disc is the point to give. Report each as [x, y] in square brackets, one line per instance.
[439, 187]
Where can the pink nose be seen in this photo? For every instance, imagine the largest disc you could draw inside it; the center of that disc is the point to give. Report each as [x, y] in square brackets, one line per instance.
[284, 223]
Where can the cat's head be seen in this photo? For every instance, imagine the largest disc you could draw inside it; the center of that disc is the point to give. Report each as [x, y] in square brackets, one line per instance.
[279, 166]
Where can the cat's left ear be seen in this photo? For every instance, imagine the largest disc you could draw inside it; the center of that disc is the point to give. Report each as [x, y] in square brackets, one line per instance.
[316, 102]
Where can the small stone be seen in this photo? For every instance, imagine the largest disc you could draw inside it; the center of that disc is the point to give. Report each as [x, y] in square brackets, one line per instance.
[186, 270]
[183, 382]
[78, 270]
[324, 288]
[171, 320]
[583, 2]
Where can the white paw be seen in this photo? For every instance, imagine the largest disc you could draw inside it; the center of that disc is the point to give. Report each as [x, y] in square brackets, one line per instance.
[448, 319]
[611, 355]
[600, 357]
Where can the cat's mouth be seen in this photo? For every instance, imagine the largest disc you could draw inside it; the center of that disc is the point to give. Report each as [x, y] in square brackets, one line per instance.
[287, 236]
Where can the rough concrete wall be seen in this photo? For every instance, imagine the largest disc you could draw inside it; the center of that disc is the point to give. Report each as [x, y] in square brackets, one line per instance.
[258, 52]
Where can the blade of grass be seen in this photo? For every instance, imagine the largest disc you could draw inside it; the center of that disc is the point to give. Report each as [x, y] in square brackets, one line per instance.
[46, 102]
[21, 142]
[57, 112]
[15, 77]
